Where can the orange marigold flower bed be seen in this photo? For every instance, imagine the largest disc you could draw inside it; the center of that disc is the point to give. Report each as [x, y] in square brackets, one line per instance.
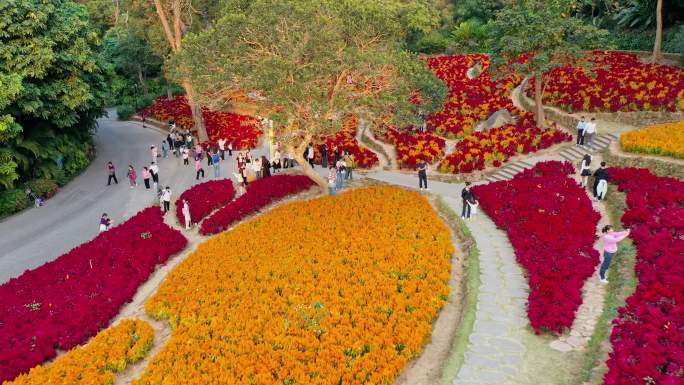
[661, 139]
[300, 296]
[109, 352]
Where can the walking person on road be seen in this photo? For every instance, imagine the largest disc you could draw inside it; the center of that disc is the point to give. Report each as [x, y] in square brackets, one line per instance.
[132, 176]
[581, 127]
[166, 199]
[216, 163]
[185, 154]
[230, 148]
[111, 172]
[422, 175]
[186, 214]
[590, 132]
[146, 177]
[222, 148]
[105, 222]
[600, 182]
[165, 150]
[585, 169]
[341, 172]
[332, 179]
[154, 171]
[610, 241]
[154, 152]
[468, 197]
[199, 170]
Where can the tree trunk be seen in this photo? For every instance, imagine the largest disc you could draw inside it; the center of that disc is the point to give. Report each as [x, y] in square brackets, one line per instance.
[538, 105]
[308, 171]
[196, 113]
[117, 12]
[657, 52]
[169, 90]
[141, 78]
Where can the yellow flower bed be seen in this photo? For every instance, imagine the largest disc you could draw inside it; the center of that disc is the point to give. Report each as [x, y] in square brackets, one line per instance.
[661, 139]
[334, 290]
[95, 363]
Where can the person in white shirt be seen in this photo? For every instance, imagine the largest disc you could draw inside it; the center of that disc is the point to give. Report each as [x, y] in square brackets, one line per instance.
[186, 154]
[310, 154]
[590, 132]
[166, 199]
[153, 150]
[222, 148]
[276, 161]
[186, 214]
[581, 127]
[256, 167]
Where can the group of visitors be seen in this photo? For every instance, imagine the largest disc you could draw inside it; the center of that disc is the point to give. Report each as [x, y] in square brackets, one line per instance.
[586, 131]
[338, 173]
[601, 177]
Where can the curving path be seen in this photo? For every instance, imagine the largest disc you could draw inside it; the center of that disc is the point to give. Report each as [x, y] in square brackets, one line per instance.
[38, 235]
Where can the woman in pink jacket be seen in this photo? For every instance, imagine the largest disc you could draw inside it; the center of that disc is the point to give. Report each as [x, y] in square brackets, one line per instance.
[610, 241]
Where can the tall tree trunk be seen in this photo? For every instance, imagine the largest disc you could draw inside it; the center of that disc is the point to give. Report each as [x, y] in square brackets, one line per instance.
[657, 52]
[298, 154]
[169, 89]
[141, 78]
[196, 112]
[117, 12]
[538, 97]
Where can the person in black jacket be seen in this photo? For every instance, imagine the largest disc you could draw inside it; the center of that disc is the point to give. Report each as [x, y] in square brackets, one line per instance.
[600, 174]
[468, 197]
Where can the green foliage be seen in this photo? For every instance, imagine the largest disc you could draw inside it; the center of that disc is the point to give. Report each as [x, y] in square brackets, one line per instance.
[51, 86]
[12, 201]
[470, 37]
[124, 112]
[476, 10]
[44, 188]
[432, 43]
[546, 31]
[313, 61]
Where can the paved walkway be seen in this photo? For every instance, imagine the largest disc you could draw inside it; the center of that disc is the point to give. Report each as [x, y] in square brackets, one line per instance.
[496, 349]
[39, 235]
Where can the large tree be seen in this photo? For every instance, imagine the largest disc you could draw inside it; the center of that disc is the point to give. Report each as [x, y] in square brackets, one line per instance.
[547, 33]
[51, 88]
[310, 63]
[657, 46]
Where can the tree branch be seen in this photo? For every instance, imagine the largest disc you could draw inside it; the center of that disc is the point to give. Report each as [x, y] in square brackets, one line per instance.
[165, 24]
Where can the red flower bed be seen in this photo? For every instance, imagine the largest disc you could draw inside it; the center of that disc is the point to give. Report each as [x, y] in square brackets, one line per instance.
[205, 198]
[243, 131]
[494, 147]
[470, 101]
[551, 225]
[648, 334]
[64, 302]
[412, 147]
[620, 83]
[346, 140]
[259, 194]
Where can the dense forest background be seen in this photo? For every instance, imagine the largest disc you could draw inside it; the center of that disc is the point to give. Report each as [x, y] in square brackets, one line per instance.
[63, 61]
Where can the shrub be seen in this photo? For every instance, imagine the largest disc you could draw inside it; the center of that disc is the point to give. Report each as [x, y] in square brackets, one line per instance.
[12, 201]
[124, 112]
[43, 187]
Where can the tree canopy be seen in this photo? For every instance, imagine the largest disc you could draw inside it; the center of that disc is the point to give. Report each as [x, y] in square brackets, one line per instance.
[51, 86]
[543, 32]
[311, 62]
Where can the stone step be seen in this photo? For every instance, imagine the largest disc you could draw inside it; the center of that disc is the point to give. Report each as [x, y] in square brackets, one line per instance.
[507, 174]
[602, 140]
[569, 157]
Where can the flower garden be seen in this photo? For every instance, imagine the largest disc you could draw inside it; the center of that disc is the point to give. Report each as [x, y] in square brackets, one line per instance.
[661, 139]
[551, 225]
[346, 140]
[205, 198]
[309, 298]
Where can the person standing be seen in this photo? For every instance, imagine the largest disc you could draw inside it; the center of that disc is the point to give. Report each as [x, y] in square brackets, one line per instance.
[341, 171]
[188, 140]
[276, 161]
[132, 177]
[422, 175]
[186, 214]
[468, 196]
[349, 165]
[154, 171]
[105, 222]
[324, 155]
[230, 149]
[216, 163]
[256, 167]
[165, 150]
[146, 177]
[185, 153]
[332, 179]
[581, 127]
[242, 169]
[600, 175]
[222, 148]
[153, 151]
[111, 172]
[585, 169]
[166, 199]
[170, 141]
[265, 167]
[610, 241]
[199, 170]
[590, 132]
[310, 154]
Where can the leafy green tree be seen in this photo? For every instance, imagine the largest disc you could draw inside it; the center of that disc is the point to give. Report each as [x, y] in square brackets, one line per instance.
[547, 34]
[309, 63]
[51, 87]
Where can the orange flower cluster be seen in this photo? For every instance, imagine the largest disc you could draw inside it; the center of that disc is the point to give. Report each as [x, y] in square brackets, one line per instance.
[336, 290]
[661, 139]
[95, 363]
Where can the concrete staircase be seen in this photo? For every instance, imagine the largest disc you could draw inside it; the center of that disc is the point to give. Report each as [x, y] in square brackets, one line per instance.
[508, 171]
[600, 142]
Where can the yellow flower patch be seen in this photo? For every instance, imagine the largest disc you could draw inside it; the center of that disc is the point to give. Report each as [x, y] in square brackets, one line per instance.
[661, 139]
[340, 289]
[97, 362]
